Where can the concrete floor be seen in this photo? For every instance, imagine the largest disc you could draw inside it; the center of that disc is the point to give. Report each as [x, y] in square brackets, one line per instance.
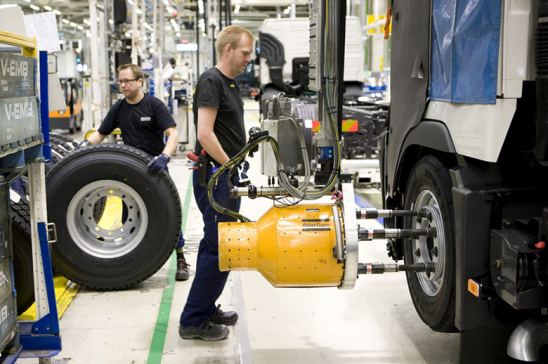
[373, 323]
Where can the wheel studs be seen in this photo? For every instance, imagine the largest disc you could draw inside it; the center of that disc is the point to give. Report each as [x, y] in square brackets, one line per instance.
[418, 252]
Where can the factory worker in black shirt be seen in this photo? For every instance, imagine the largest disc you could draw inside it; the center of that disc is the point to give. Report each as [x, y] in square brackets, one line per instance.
[143, 120]
[219, 118]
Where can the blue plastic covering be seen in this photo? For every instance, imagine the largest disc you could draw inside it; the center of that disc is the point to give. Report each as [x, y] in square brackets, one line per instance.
[465, 49]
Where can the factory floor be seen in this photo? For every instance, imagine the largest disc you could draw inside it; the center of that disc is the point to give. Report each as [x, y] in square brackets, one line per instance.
[373, 323]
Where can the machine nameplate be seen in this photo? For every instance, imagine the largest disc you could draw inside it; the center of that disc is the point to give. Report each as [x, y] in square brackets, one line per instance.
[19, 120]
[16, 76]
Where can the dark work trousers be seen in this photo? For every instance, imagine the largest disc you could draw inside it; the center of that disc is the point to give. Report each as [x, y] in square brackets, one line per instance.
[181, 241]
[208, 282]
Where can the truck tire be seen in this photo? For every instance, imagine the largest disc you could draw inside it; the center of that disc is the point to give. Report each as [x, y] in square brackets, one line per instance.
[433, 294]
[115, 257]
[22, 254]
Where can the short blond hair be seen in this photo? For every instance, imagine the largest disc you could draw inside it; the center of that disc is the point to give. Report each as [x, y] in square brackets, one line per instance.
[231, 35]
[136, 70]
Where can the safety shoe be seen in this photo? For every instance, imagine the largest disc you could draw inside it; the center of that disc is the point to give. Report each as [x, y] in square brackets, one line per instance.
[228, 318]
[182, 268]
[208, 331]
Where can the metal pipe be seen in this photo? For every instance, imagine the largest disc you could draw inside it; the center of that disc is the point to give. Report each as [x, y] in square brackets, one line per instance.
[355, 164]
[369, 213]
[365, 234]
[197, 28]
[527, 339]
[380, 268]
[253, 192]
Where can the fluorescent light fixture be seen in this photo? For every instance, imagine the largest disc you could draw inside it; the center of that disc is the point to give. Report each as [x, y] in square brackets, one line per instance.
[66, 21]
[80, 27]
[73, 24]
[130, 2]
[200, 6]
[187, 47]
[57, 12]
[149, 27]
[86, 21]
[139, 11]
[48, 8]
[34, 7]
[237, 9]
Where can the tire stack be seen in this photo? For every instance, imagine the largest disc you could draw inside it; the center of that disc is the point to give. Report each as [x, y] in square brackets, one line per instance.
[61, 146]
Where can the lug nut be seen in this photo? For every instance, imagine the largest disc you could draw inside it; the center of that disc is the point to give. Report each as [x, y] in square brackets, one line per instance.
[418, 252]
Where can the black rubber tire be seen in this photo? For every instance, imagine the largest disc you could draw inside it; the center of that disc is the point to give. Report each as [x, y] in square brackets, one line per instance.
[22, 254]
[127, 165]
[437, 311]
[62, 145]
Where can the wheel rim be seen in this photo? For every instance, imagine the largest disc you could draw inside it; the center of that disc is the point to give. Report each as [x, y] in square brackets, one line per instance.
[91, 236]
[430, 249]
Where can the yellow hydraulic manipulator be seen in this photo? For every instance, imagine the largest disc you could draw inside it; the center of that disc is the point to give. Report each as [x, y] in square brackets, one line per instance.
[292, 246]
[313, 245]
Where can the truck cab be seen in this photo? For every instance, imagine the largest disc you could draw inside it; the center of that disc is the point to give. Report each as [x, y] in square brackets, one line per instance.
[466, 140]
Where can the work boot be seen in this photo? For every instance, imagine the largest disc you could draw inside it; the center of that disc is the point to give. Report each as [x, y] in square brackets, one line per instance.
[228, 318]
[182, 268]
[207, 331]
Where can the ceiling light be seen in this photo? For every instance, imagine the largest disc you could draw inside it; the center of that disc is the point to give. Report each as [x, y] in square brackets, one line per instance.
[80, 27]
[34, 7]
[237, 9]
[130, 2]
[56, 12]
[66, 21]
[73, 24]
[166, 2]
[48, 8]
[86, 21]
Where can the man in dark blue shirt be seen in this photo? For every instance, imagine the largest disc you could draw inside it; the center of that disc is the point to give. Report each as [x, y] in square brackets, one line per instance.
[143, 120]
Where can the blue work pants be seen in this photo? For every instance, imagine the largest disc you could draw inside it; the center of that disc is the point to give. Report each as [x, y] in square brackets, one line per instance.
[208, 282]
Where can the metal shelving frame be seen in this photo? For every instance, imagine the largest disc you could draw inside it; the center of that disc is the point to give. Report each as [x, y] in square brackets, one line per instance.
[40, 338]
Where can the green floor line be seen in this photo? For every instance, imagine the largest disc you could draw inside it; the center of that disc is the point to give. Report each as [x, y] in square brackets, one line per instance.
[160, 329]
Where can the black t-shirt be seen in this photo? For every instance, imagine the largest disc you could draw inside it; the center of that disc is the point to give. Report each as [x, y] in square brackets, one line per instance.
[142, 124]
[220, 92]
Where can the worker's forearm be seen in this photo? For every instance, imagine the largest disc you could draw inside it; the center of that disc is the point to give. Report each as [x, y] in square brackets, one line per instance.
[171, 144]
[212, 146]
[96, 138]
